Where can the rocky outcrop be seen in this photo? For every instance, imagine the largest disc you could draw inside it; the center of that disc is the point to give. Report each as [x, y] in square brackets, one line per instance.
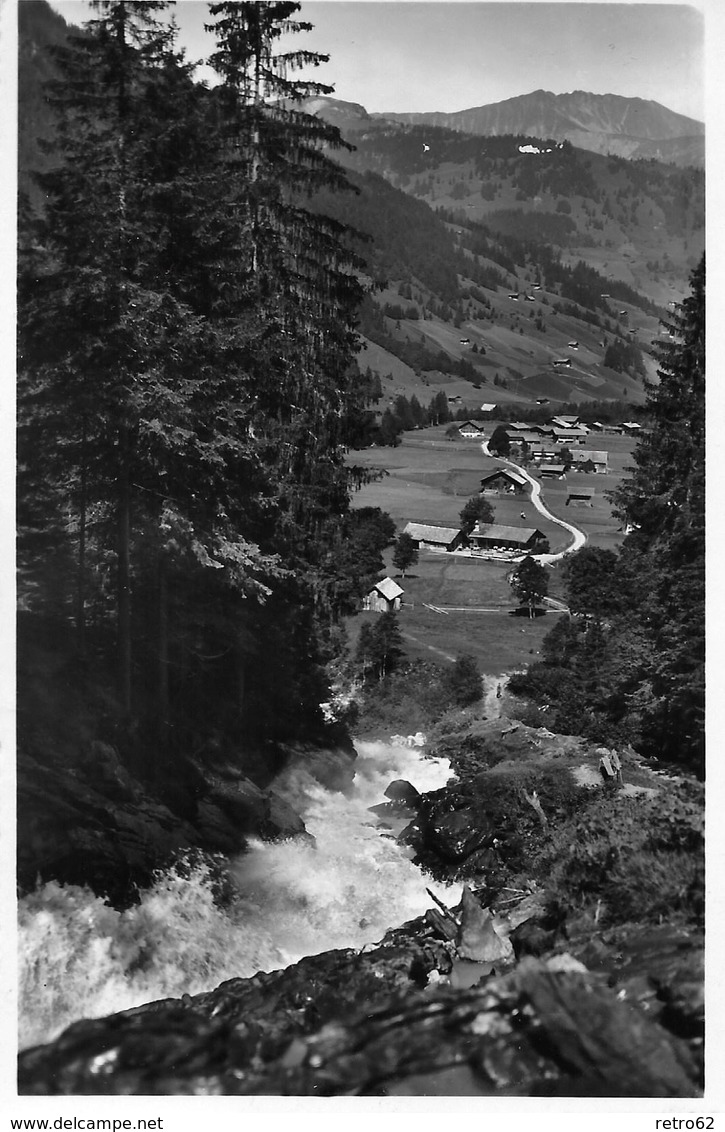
[452, 834]
[106, 800]
[92, 822]
[94, 826]
[389, 1021]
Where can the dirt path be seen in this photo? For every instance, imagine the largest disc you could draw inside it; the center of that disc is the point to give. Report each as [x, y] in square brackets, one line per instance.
[492, 701]
[432, 648]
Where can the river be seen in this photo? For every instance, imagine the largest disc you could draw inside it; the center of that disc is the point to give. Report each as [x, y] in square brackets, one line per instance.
[79, 958]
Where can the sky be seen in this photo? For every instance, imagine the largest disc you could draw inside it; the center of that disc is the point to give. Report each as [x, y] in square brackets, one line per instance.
[447, 56]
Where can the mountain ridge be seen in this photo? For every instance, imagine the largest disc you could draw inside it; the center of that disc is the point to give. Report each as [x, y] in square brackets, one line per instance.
[643, 118]
[609, 124]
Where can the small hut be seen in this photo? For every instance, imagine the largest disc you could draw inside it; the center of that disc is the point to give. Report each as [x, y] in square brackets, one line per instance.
[384, 597]
[580, 499]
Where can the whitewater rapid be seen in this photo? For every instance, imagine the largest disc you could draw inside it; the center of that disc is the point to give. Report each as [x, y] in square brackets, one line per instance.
[79, 958]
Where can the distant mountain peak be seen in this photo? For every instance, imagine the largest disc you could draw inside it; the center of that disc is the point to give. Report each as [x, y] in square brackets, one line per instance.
[605, 123]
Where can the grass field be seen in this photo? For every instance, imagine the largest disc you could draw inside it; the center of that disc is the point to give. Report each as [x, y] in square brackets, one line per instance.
[428, 480]
[484, 624]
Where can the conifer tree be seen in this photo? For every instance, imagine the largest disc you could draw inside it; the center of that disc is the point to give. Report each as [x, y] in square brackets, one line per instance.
[298, 263]
[664, 555]
[89, 335]
[121, 378]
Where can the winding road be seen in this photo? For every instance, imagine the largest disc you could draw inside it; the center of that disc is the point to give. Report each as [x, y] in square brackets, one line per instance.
[579, 537]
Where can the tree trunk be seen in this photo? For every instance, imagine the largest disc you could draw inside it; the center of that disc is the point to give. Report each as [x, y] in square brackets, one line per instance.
[124, 571]
[241, 683]
[163, 658]
[81, 577]
[533, 800]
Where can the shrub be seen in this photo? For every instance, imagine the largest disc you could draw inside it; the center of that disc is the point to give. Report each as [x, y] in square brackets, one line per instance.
[643, 859]
[463, 682]
[414, 692]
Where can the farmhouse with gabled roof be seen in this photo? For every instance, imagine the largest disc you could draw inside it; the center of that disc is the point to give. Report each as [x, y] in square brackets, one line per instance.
[495, 536]
[599, 460]
[570, 435]
[470, 430]
[504, 479]
[429, 537]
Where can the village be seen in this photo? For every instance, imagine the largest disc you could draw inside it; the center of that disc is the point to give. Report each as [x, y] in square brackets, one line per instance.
[532, 475]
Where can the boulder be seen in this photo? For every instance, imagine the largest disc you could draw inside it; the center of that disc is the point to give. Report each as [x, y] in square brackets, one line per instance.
[400, 790]
[333, 769]
[478, 938]
[281, 821]
[245, 804]
[455, 834]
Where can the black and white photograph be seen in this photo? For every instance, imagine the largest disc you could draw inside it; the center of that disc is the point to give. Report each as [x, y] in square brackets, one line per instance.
[359, 562]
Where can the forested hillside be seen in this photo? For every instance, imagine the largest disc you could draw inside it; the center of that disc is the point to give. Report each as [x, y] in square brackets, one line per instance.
[449, 299]
[629, 665]
[186, 386]
[643, 219]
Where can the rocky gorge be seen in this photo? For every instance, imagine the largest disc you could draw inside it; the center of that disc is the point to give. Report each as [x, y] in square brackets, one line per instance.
[569, 963]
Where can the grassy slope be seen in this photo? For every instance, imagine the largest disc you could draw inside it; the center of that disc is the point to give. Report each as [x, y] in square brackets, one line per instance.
[515, 350]
[621, 231]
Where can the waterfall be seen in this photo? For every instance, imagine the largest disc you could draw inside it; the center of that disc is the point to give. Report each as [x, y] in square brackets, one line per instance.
[80, 958]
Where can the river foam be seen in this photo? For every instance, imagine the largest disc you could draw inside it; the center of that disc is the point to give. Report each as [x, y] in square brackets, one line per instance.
[79, 958]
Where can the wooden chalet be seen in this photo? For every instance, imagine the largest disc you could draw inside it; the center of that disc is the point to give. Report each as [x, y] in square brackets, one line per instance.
[428, 537]
[526, 437]
[494, 536]
[504, 479]
[570, 435]
[589, 459]
[470, 430]
[384, 597]
[552, 471]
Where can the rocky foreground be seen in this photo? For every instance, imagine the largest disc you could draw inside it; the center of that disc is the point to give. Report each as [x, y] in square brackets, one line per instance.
[573, 965]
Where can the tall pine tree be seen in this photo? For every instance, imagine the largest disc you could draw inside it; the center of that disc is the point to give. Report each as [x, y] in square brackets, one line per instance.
[664, 556]
[187, 335]
[127, 400]
[299, 265]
